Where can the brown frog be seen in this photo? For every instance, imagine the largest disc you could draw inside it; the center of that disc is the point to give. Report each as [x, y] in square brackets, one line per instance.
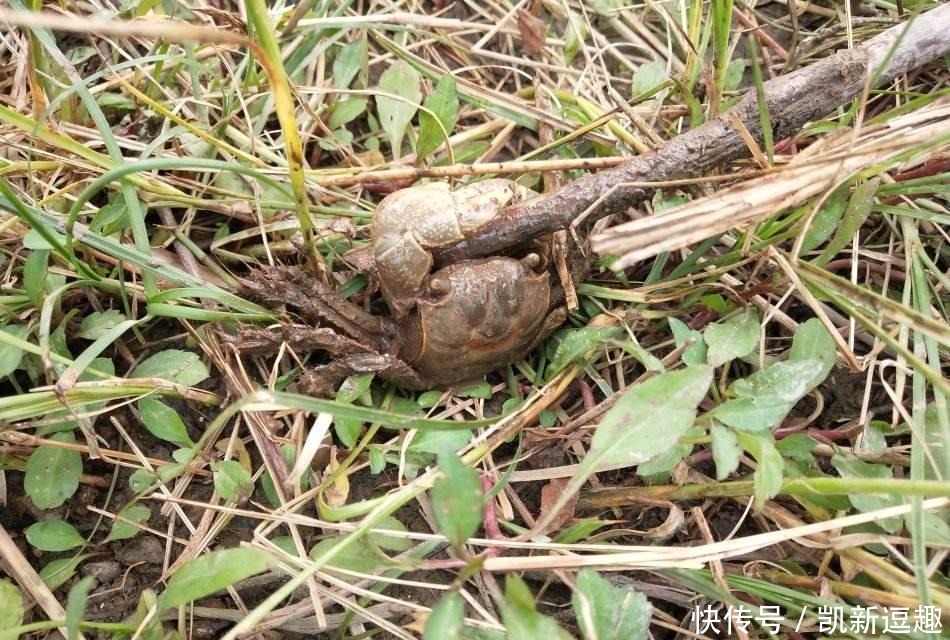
[448, 326]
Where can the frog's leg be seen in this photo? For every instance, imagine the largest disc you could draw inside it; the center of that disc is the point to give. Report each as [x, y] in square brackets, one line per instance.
[319, 303]
[324, 380]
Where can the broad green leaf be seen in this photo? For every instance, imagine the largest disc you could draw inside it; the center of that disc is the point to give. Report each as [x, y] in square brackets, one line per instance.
[769, 471]
[457, 500]
[851, 467]
[429, 399]
[54, 574]
[574, 344]
[813, 342]
[141, 480]
[211, 573]
[444, 103]
[648, 77]
[447, 620]
[34, 241]
[346, 111]
[10, 355]
[11, 609]
[858, 209]
[353, 388]
[825, 222]
[400, 80]
[358, 556]
[125, 530]
[174, 365]
[604, 611]
[54, 535]
[52, 473]
[76, 606]
[574, 35]
[734, 338]
[96, 324]
[164, 422]
[35, 270]
[434, 442]
[788, 380]
[752, 414]
[232, 481]
[650, 417]
[348, 62]
[664, 463]
[726, 450]
[695, 354]
[478, 390]
[390, 542]
[936, 529]
[521, 618]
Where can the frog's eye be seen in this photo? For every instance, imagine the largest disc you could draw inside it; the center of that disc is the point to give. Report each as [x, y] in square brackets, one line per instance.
[530, 262]
[438, 287]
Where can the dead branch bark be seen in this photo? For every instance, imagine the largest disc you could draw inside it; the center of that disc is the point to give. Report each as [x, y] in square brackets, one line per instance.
[793, 100]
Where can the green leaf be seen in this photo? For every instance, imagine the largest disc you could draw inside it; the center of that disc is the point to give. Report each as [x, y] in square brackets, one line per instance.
[76, 606]
[574, 344]
[825, 222]
[429, 399]
[435, 442]
[141, 480]
[444, 103]
[348, 62]
[96, 324]
[447, 620]
[346, 111]
[52, 473]
[125, 530]
[574, 34]
[358, 556]
[54, 574]
[857, 212]
[211, 573]
[478, 390]
[770, 468]
[813, 342]
[936, 529]
[353, 388]
[164, 422]
[390, 542]
[734, 338]
[11, 355]
[752, 414]
[648, 77]
[183, 367]
[35, 269]
[11, 609]
[521, 618]
[726, 450]
[579, 530]
[695, 354]
[851, 467]
[788, 381]
[54, 535]
[650, 417]
[605, 611]
[232, 481]
[395, 115]
[457, 500]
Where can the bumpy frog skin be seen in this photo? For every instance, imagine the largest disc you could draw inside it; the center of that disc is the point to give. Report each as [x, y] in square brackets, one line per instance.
[411, 222]
[453, 325]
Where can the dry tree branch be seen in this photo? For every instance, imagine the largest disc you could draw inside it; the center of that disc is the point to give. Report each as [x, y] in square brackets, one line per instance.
[793, 100]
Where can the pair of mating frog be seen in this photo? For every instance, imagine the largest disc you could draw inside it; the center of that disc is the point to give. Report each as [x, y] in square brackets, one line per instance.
[447, 326]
